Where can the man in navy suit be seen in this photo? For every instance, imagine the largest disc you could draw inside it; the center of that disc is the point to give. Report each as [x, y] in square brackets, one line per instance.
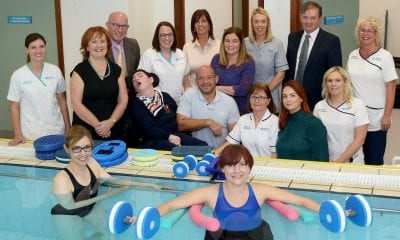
[117, 26]
[323, 52]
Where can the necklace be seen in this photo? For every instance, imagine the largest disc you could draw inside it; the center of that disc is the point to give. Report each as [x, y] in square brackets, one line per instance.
[100, 75]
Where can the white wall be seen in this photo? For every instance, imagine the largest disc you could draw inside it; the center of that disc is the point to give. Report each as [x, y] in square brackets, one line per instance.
[279, 12]
[378, 9]
[144, 15]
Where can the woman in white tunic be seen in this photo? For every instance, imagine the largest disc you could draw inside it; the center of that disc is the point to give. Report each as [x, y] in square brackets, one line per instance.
[344, 116]
[373, 74]
[37, 99]
[167, 61]
[257, 130]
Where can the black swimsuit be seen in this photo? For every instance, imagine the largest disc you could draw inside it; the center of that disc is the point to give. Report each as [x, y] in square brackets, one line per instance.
[80, 193]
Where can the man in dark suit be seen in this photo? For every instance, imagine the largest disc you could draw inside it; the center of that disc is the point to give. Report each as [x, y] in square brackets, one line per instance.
[129, 55]
[320, 52]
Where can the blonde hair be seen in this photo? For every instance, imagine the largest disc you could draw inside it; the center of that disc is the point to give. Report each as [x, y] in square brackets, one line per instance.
[374, 23]
[268, 34]
[243, 55]
[348, 93]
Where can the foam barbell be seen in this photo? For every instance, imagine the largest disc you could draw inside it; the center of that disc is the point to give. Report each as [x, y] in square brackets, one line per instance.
[333, 216]
[147, 222]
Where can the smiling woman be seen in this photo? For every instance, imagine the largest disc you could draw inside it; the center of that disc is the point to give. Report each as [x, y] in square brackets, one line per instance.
[98, 91]
[167, 61]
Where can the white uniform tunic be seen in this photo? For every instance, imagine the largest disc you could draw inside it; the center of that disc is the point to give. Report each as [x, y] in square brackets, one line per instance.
[340, 123]
[260, 140]
[170, 73]
[369, 78]
[40, 113]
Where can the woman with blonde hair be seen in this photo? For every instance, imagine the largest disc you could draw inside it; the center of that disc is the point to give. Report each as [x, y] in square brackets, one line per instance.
[267, 52]
[344, 116]
[234, 67]
[373, 74]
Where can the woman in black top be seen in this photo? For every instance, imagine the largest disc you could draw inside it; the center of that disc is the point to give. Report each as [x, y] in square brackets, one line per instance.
[98, 91]
[76, 189]
[154, 115]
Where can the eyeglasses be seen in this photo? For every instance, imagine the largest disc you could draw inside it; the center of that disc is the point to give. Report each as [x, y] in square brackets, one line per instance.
[366, 31]
[258, 98]
[117, 26]
[78, 149]
[165, 35]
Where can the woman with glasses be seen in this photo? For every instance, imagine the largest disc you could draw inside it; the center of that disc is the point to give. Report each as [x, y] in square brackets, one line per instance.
[267, 52]
[203, 46]
[302, 136]
[344, 116]
[38, 105]
[257, 130]
[234, 67]
[98, 92]
[167, 61]
[76, 189]
[373, 74]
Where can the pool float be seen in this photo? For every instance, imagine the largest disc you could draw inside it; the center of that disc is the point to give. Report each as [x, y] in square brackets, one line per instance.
[145, 157]
[110, 153]
[46, 146]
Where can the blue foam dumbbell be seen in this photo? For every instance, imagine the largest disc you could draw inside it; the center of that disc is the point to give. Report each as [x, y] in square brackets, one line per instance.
[147, 222]
[333, 216]
[182, 168]
[201, 167]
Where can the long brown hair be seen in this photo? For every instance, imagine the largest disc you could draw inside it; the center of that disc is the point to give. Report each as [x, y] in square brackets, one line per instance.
[299, 90]
[243, 55]
[156, 38]
[196, 17]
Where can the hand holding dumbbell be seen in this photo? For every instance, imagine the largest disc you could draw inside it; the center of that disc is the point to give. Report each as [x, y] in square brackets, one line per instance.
[333, 217]
[121, 217]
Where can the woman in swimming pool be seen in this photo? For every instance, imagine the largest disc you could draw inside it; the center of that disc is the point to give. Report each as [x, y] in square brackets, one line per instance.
[235, 202]
[76, 188]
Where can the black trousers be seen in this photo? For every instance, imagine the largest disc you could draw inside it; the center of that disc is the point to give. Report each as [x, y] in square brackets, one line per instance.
[263, 232]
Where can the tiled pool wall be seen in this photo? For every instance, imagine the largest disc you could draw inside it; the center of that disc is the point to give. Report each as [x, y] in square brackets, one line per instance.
[29, 208]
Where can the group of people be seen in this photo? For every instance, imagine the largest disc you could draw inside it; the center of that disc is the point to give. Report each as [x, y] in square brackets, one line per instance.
[242, 96]
[218, 92]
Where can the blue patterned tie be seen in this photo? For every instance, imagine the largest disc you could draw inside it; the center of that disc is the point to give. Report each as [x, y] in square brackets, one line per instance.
[303, 59]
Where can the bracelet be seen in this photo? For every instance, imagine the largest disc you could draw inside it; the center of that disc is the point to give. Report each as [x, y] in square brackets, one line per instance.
[113, 120]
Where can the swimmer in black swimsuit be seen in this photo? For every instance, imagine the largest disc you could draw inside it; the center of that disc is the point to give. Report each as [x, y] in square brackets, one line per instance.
[236, 203]
[76, 189]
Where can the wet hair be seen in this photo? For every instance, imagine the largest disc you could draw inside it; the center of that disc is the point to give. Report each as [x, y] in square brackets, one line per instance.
[156, 79]
[243, 55]
[299, 90]
[76, 133]
[374, 23]
[268, 33]
[348, 93]
[90, 34]
[156, 38]
[31, 38]
[310, 5]
[262, 88]
[233, 154]
[196, 17]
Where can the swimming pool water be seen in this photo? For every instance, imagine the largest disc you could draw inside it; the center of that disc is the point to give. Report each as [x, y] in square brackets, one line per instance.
[26, 200]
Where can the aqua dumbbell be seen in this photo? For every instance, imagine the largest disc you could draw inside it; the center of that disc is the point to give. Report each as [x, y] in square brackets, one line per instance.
[357, 209]
[147, 221]
[182, 168]
[202, 165]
